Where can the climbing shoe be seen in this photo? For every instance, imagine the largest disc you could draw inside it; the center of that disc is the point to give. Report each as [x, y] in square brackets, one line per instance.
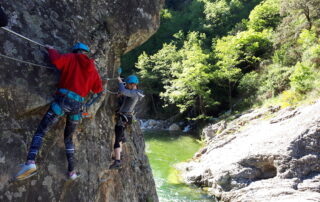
[73, 175]
[116, 165]
[26, 171]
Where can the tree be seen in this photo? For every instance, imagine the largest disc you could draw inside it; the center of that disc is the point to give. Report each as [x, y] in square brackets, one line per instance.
[265, 16]
[298, 15]
[154, 70]
[188, 89]
[238, 55]
[222, 15]
[309, 9]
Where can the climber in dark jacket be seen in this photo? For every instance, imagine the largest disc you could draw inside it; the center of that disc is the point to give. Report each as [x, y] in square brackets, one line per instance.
[131, 95]
[78, 76]
[3, 18]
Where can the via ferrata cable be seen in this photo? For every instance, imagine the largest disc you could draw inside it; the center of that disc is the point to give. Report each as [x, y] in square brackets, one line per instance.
[23, 37]
[29, 63]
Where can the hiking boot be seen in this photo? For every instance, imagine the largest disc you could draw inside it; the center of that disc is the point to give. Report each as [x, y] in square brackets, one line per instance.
[116, 165]
[26, 171]
[73, 175]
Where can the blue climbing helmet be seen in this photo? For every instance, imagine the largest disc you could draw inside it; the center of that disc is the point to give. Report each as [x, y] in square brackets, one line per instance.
[80, 46]
[132, 79]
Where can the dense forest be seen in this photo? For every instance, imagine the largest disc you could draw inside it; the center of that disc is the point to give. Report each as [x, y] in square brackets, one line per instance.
[213, 56]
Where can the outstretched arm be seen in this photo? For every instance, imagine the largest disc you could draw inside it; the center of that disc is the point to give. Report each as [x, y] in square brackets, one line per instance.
[127, 92]
[93, 99]
[59, 60]
[97, 89]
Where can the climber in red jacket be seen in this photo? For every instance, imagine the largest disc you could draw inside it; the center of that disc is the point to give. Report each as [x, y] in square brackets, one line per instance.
[78, 77]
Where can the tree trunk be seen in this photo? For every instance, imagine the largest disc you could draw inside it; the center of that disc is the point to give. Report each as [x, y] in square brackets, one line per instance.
[230, 95]
[154, 105]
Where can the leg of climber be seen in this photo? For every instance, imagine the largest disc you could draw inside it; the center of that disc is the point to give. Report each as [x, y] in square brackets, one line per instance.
[29, 168]
[119, 131]
[71, 126]
[78, 73]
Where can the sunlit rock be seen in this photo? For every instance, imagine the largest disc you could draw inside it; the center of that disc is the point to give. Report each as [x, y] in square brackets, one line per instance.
[263, 155]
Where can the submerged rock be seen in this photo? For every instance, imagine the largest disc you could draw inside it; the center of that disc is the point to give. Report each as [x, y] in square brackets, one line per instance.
[255, 158]
[110, 28]
[174, 127]
[153, 124]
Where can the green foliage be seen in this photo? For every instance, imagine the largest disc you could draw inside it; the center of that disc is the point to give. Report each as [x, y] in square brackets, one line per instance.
[217, 12]
[222, 15]
[298, 16]
[309, 47]
[248, 87]
[249, 84]
[210, 56]
[188, 16]
[154, 70]
[244, 51]
[307, 10]
[190, 76]
[290, 98]
[275, 79]
[302, 78]
[265, 16]
[286, 55]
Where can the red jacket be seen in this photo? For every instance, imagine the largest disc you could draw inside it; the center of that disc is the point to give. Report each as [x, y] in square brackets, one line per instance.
[78, 72]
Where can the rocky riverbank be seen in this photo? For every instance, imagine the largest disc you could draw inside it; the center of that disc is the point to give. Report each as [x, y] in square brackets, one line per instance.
[263, 155]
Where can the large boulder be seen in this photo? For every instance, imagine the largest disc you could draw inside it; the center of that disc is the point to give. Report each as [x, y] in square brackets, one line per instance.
[258, 158]
[110, 28]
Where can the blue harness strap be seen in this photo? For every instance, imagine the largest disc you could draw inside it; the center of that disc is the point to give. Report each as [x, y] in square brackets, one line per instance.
[75, 117]
[71, 95]
[57, 109]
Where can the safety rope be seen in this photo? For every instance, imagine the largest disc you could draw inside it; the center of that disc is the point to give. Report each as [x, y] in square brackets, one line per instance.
[29, 63]
[19, 35]
[111, 79]
[111, 92]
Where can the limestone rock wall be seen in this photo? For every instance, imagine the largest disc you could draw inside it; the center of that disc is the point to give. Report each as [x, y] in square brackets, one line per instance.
[110, 28]
[264, 155]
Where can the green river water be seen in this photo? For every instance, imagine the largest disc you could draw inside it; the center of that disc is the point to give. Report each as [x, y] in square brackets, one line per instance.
[164, 150]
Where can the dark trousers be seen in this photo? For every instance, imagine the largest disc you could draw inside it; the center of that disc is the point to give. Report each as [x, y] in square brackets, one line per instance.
[61, 106]
[122, 122]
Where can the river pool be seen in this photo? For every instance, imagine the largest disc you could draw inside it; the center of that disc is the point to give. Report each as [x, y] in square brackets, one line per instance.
[164, 150]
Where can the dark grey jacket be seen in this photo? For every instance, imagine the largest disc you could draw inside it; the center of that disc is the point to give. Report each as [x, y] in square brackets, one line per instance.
[131, 97]
[3, 18]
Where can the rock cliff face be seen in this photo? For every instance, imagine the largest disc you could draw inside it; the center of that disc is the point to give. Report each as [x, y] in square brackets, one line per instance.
[110, 28]
[264, 155]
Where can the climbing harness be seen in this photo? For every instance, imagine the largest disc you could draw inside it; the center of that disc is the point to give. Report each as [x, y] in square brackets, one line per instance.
[19, 35]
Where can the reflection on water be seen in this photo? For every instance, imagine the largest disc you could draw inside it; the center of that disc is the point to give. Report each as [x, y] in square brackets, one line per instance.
[164, 150]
